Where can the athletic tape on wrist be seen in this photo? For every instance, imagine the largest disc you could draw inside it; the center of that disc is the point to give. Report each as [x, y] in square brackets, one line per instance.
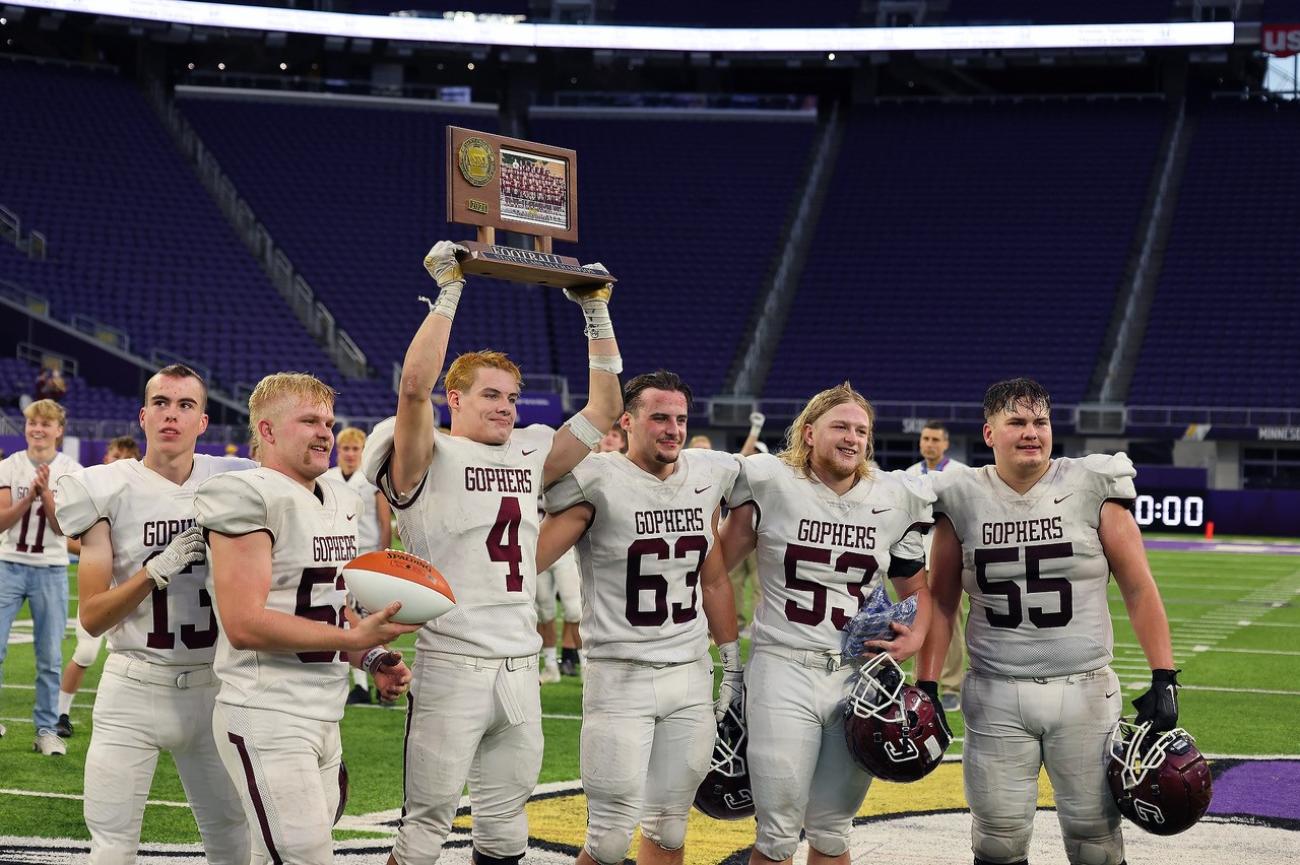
[730, 655]
[606, 363]
[448, 300]
[372, 658]
[585, 431]
[596, 312]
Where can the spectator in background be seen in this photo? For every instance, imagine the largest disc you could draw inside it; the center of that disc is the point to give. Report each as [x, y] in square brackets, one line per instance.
[50, 384]
[700, 441]
[934, 446]
[122, 448]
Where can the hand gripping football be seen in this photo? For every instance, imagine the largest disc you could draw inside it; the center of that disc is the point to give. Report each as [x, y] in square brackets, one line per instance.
[379, 578]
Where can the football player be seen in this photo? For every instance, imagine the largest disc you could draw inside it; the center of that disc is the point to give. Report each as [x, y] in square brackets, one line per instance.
[827, 528]
[34, 559]
[141, 582]
[644, 524]
[87, 651]
[374, 525]
[1033, 541]
[562, 579]
[468, 503]
[280, 536]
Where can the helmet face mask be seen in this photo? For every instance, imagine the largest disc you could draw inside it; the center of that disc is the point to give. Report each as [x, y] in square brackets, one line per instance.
[892, 729]
[725, 792]
[1159, 781]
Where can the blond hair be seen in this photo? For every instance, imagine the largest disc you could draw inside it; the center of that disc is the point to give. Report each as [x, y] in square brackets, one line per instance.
[46, 409]
[281, 385]
[351, 435]
[460, 375]
[798, 454]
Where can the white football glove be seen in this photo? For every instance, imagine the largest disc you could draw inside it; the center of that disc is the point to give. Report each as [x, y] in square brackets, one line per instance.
[733, 680]
[756, 421]
[187, 548]
[595, 305]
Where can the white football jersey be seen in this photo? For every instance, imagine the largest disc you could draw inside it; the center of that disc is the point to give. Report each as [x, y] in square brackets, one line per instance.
[640, 558]
[31, 540]
[820, 555]
[313, 535]
[474, 517]
[144, 510]
[368, 522]
[1033, 564]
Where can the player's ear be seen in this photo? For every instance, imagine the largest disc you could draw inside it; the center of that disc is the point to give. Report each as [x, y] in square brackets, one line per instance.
[988, 434]
[808, 434]
[141, 417]
[453, 399]
[203, 423]
[625, 421]
[265, 432]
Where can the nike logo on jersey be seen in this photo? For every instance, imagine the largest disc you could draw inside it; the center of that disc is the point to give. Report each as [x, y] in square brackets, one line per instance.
[528, 453]
[702, 489]
[1111, 694]
[1061, 499]
[880, 510]
[350, 516]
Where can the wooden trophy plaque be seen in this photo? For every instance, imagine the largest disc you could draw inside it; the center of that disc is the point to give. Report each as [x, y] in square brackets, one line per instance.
[497, 182]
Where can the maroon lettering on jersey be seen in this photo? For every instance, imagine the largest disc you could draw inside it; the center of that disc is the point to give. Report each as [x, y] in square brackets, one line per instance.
[334, 548]
[159, 533]
[826, 533]
[1018, 532]
[485, 479]
[670, 521]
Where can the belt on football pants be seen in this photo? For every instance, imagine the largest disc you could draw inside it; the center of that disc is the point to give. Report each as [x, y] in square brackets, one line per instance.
[1042, 680]
[527, 662]
[829, 660]
[159, 674]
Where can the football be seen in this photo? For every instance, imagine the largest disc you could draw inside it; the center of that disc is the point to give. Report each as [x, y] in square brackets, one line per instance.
[379, 578]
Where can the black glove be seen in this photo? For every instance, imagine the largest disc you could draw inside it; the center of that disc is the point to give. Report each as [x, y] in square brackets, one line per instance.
[1159, 705]
[932, 691]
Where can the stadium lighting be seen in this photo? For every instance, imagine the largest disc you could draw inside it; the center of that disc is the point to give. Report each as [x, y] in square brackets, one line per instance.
[3, 21]
[830, 56]
[221, 66]
[779, 40]
[470, 66]
[284, 66]
[189, 66]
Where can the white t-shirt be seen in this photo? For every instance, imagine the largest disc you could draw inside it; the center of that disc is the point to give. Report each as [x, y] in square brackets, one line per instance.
[640, 558]
[313, 535]
[32, 540]
[144, 511]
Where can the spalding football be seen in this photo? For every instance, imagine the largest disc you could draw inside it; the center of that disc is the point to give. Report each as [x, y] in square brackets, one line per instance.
[379, 578]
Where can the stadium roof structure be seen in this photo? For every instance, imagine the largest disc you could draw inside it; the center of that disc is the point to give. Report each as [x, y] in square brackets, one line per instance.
[507, 33]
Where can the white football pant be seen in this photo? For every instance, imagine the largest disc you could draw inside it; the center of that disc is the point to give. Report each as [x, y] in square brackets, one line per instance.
[562, 578]
[647, 738]
[1014, 726]
[802, 774]
[286, 769]
[136, 718]
[475, 720]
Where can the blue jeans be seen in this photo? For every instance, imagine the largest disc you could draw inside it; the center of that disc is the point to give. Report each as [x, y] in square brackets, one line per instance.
[45, 588]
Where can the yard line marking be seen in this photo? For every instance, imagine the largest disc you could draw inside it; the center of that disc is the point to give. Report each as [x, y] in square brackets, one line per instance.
[10, 791]
[33, 688]
[1262, 691]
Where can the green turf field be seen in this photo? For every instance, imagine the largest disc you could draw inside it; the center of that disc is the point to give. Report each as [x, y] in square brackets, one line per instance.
[1235, 622]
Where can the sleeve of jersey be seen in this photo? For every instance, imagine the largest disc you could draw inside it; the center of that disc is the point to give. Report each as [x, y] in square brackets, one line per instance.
[919, 497]
[1113, 476]
[6, 481]
[230, 504]
[78, 508]
[374, 464]
[564, 493]
[753, 471]
[537, 435]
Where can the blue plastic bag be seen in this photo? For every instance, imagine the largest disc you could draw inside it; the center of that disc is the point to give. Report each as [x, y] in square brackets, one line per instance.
[872, 622]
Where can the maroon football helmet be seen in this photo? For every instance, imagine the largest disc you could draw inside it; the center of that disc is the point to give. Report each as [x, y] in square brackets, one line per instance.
[892, 728]
[1160, 781]
[725, 793]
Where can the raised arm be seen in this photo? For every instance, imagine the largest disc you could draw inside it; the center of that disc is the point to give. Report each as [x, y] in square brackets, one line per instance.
[413, 435]
[756, 421]
[579, 437]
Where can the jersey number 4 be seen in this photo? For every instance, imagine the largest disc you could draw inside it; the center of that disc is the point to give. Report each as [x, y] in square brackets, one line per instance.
[1034, 584]
[503, 542]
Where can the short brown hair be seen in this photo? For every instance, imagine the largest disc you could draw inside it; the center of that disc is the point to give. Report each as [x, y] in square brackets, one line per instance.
[1014, 393]
[460, 375]
[660, 379]
[936, 425]
[129, 447]
[179, 370]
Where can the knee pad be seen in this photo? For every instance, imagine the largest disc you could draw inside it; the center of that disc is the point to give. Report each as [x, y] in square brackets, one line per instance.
[667, 831]
[1095, 851]
[1000, 843]
[610, 846]
[87, 651]
[828, 844]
